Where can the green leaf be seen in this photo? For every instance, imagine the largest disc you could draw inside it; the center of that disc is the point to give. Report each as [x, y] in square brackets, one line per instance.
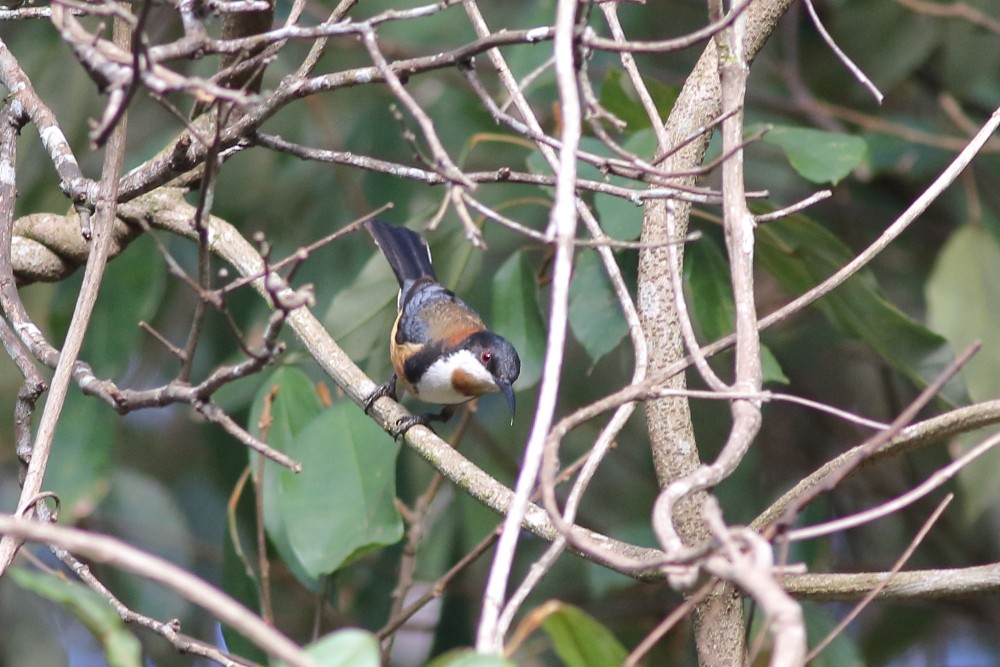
[580, 641]
[963, 303]
[294, 406]
[342, 504]
[466, 657]
[970, 57]
[709, 290]
[619, 97]
[620, 218]
[121, 647]
[842, 651]
[345, 648]
[819, 156]
[518, 318]
[800, 253]
[709, 294]
[594, 314]
[361, 308]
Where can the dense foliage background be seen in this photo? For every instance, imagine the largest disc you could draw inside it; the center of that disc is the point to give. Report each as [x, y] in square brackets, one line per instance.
[168, 482]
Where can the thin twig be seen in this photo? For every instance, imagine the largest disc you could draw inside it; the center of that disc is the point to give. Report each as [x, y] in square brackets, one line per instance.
[679, 613]
[938, 478]
[103, 224]
[874, 443]
[562, 230]
[110, 550]
[418, 519]
[843, 57]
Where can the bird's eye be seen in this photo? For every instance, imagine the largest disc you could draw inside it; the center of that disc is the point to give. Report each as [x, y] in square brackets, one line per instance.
[485, 356]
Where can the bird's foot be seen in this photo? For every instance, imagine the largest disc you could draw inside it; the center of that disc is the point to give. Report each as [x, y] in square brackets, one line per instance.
[404, 424]
[387, 388]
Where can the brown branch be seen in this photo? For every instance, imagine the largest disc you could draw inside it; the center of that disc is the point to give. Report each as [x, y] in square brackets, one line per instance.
[105, 215]
[26, 102]
[33, 384]
[873, 444]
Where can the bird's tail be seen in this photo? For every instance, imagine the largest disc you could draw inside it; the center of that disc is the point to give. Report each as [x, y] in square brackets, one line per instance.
[405, 250]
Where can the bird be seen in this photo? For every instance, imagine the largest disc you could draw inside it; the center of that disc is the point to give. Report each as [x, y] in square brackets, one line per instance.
[441, 350]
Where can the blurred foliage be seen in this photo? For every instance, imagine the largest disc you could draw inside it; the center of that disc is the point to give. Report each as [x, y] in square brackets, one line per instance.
[579, 640]
[347, 648]
[121, 647]
[161, 479]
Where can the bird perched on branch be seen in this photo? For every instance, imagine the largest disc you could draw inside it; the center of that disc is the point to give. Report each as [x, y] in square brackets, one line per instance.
[440, 348]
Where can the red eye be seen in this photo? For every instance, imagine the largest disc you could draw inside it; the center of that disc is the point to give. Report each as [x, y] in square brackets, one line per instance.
[485, 356]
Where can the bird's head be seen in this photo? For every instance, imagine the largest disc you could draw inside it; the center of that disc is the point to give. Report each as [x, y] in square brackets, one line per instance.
[500, 360]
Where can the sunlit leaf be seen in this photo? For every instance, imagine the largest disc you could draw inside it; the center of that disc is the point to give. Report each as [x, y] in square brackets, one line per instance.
[121, 647]
[517, 317]
[819, 156]
[963, 303]
[594, 314]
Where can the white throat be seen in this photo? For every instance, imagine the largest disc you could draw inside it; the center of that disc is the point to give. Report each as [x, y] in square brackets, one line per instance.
[436, 384]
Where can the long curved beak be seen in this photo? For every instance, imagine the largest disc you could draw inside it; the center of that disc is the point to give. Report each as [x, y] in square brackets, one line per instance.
[508, 393]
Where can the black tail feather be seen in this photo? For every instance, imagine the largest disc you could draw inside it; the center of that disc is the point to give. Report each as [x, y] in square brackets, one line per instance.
[406, 252]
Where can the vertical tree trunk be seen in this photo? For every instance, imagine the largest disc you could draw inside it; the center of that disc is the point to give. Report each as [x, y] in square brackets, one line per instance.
[719, 631]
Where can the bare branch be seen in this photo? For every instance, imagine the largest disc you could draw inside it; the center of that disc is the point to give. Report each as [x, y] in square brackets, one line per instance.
[848, 63]
[110, 550]
[105, 216]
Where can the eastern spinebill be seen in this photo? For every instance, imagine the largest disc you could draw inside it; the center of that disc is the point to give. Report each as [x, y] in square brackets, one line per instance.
[440, 348]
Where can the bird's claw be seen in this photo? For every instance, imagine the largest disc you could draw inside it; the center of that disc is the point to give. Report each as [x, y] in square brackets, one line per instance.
[387, 388]
[404, 424]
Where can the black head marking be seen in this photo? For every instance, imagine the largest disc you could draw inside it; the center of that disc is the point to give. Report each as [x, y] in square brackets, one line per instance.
[499, 357]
